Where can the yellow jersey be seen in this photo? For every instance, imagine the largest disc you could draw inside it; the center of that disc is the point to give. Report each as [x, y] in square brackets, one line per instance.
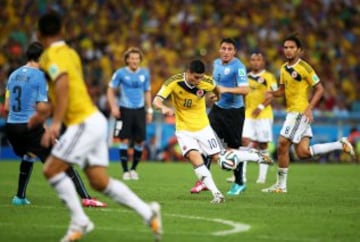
[258, 84]
[188, 101]
[60, 59]
[297, 79]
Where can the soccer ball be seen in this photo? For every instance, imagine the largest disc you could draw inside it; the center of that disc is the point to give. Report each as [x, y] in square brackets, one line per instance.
[228, 160]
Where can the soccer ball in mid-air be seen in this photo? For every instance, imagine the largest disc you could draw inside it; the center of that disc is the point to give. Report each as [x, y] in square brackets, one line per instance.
[228, 160]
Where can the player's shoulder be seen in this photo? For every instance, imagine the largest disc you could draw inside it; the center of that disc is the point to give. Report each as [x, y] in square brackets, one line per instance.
[174, 79]
[305, 65]
[208, 79]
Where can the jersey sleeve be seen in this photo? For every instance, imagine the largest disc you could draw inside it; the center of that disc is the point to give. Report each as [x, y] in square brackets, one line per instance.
[241, 76]
[312, 78]
[42, 89]
[273, 86]
[166, 90]
[115, 80]
[55, 66]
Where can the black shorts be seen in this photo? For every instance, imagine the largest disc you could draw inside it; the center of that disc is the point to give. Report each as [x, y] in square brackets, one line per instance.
[134, 124]
[24, 140]
[228, 124]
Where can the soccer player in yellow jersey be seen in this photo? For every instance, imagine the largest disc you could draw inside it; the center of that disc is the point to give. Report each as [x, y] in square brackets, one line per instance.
[84, 141]
[257, 131]
[296, 78]
[193, 131]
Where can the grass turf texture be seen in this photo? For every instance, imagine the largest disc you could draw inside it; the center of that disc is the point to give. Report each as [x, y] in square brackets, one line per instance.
[322, 204]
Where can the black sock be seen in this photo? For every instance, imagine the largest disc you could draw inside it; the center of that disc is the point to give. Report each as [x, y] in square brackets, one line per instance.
[79, 185]
[124, 159]
[207, 160]
[239, 173]
[137, 158]
[24, 176]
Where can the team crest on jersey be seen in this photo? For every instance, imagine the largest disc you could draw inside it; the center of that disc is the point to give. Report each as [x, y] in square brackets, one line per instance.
[226, 70]
[294, 74]
[261, 80]
[200, 93]
[142, 78]
[315, 78]
[53, 71]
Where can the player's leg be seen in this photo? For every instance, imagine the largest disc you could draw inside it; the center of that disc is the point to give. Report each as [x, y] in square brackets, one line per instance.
[263, 168]
[293, 130]
[123, 195]
[139, 122]
[54, 171]
[263, 136]
[25, 171]
[87, 200]
[97, 161]
[318, 149]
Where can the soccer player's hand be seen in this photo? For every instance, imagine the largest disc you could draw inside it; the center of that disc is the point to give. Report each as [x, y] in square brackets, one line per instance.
[115, 112]
[167, 111]
[309, 116]
[51, 134]
[256, 112]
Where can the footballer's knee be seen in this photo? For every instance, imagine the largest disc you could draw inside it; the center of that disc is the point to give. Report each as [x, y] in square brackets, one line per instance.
[303, 153]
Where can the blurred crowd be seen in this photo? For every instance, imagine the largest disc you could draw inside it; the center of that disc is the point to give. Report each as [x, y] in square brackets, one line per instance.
[172, 32]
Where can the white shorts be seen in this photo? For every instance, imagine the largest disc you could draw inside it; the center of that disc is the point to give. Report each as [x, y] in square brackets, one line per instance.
[259, 130]
[85, 143]
[205, 141]
[296, 127]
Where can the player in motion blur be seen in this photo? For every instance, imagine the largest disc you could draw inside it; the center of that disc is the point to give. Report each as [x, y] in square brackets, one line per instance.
[296, 77]
[227, 114]
[84, 141]
[193, 131]
[27, 92]
[134, 109]
[257, 132]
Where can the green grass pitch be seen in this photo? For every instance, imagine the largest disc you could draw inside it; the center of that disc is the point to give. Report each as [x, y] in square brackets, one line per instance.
[322, 204]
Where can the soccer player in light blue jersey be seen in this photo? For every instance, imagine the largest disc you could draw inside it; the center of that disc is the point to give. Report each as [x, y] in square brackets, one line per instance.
[133, 109]
[228, 113]
[26, 93]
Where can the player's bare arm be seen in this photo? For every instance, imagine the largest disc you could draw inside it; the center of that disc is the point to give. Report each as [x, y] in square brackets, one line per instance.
[318, 93]
[61, 100]
[43, 111]
[242, 90]
[158, 103]
[149, 110]
[115, 111]
[277, 93]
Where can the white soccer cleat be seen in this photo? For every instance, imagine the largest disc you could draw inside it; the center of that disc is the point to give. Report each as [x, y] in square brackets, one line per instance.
[260, 181]
[77, 232]
[126, 176]
[347, 147]
[155, 222]
[134, 175]
[230, 179]
[274, 189]
[218, 198]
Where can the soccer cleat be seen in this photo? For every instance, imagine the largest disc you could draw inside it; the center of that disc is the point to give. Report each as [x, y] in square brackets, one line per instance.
[230, 179]
[77, 232]
[260, 181]
[20, 201]
[126, 176]
[218, 198]
[155, 222]
[265, 159]
[275, 189]
[347, 146]
[93, 202]
[236, 189]
[198, 187]
[134, 175]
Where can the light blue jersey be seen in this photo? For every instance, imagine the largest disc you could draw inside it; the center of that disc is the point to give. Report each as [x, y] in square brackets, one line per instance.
[232, 74]
[132, 86]
[26, 87]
